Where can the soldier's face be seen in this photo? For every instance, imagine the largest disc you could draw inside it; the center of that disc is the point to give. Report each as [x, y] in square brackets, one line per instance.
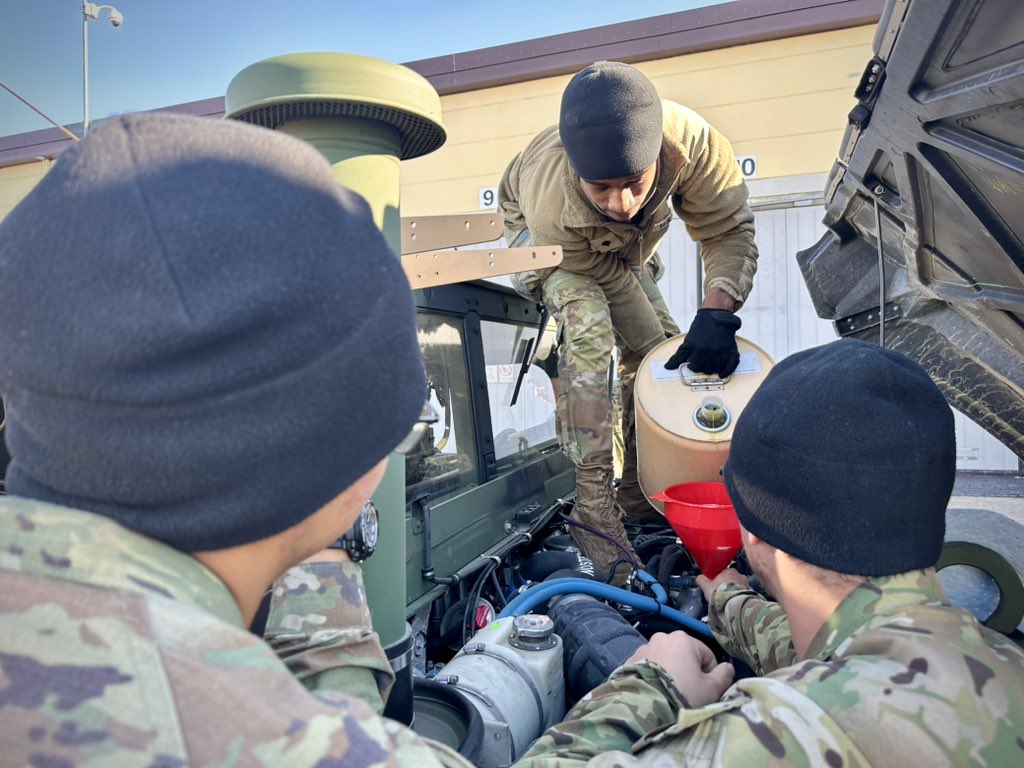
[622, 198]
[339, 514]
[760, 555]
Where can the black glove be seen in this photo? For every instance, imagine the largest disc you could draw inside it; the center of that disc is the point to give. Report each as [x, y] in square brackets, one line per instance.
[710, 344]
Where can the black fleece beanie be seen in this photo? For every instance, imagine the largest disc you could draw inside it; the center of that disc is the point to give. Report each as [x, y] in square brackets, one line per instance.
[610, 121]
[204, 336]
[845, 458]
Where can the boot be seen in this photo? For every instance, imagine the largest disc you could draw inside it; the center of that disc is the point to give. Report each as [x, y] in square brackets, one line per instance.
[637, 510]
[595, 507]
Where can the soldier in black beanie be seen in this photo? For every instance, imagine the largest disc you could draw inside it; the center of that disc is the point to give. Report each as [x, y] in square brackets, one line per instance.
[845, 458]
[840, 469]
[192, 319]
[603, 184]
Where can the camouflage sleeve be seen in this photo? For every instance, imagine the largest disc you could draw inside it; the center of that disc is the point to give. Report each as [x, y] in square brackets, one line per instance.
[751, 628]
[319, 625]
[712, 202]
[636, 699]
[759, 721]
[508, 201]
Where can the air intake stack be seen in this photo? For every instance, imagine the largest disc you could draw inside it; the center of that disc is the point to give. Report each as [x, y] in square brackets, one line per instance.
[365, 116]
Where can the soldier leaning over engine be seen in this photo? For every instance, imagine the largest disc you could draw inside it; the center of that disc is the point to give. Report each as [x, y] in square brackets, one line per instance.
[601, 184]
[840, 470]
[192, 324]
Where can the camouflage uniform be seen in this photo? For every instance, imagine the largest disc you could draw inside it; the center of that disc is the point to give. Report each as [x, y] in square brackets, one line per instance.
[584, 409]
[894, 678]
[116, 649]
[604, 294]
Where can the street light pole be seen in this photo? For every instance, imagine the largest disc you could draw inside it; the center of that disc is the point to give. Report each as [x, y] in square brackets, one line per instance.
[85, 70]
[92, 11]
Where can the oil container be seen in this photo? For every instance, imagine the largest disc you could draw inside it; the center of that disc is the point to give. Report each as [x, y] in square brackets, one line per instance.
[511, 671]
[685, 420]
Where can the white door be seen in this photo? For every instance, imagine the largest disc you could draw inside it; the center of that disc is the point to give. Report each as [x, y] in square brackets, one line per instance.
[779, 316]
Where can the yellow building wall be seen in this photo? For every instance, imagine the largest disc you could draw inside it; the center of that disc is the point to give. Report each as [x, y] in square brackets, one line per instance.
[784, 101]
[17, 180]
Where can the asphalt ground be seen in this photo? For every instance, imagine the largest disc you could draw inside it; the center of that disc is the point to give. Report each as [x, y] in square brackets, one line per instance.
[999, 492]
[986, 509]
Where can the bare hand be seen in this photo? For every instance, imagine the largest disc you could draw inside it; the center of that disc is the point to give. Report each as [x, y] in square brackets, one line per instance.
[691, 665]
[728, 576]
[716, 298]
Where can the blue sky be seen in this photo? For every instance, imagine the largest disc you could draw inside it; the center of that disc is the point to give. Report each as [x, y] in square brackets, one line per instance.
[174, 51]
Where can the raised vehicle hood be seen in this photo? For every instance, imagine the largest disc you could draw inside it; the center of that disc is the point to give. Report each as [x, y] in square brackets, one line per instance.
[933, 159]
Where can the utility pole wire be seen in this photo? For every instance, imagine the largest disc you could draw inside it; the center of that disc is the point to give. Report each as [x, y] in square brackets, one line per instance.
[36, 109]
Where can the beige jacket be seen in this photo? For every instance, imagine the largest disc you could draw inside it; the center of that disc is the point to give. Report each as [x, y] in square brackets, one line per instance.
[697, 173]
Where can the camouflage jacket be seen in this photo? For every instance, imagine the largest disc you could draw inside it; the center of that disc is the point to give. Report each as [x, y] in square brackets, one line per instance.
[894, 678]
[698, 177]
[118, 650]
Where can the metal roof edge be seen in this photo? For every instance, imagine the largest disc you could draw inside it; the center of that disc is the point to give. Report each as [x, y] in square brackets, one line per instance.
[50, 142]
[674, 34]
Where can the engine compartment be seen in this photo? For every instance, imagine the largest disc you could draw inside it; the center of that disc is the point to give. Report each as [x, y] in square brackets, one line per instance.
[468, 641]
[488, 499]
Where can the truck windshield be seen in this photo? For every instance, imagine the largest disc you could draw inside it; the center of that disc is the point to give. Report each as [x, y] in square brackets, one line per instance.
[445, 463]
[519, 429]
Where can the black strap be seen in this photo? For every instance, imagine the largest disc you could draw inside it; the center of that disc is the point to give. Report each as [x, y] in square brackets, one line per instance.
[534, 343]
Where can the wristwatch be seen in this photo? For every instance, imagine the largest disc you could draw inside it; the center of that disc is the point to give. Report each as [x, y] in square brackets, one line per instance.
[361, 539]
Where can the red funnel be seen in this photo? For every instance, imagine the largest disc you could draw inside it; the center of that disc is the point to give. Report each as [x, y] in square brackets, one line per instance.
[705, 521]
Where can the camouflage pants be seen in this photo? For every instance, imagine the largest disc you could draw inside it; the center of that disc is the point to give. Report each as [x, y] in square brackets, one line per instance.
[584, 411]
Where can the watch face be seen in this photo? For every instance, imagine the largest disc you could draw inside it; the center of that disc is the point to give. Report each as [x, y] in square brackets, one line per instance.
[361, 539]
[369, 525]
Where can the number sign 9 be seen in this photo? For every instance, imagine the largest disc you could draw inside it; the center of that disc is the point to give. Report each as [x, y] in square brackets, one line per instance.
[488, 197]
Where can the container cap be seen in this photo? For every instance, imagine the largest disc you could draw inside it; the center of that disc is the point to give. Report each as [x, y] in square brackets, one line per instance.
[533, 626]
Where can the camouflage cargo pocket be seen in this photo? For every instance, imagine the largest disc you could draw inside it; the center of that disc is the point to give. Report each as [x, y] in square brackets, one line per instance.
[528, 285]
[566, 440]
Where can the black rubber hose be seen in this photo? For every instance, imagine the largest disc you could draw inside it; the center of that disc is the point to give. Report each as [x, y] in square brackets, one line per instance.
[668, 566]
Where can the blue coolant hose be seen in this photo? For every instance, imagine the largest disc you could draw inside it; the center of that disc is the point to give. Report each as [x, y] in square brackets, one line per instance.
[541, 593]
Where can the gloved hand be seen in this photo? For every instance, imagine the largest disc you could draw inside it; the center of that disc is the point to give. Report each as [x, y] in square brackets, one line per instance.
[710, 344]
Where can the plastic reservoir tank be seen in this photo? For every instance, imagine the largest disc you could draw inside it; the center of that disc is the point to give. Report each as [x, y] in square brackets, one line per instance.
[511, 671]
[685, 420]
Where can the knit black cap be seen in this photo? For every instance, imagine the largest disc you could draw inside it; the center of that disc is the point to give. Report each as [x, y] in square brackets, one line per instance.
[204, 336]
[845, 458]
[610, 121]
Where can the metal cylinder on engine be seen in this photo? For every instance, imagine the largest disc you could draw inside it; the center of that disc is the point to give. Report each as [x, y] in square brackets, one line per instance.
[511, 671]
[597, 640]
[685, 420]
[364, 116]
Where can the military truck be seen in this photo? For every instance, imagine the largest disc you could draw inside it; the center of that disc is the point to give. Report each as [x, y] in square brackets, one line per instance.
[924, 254]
